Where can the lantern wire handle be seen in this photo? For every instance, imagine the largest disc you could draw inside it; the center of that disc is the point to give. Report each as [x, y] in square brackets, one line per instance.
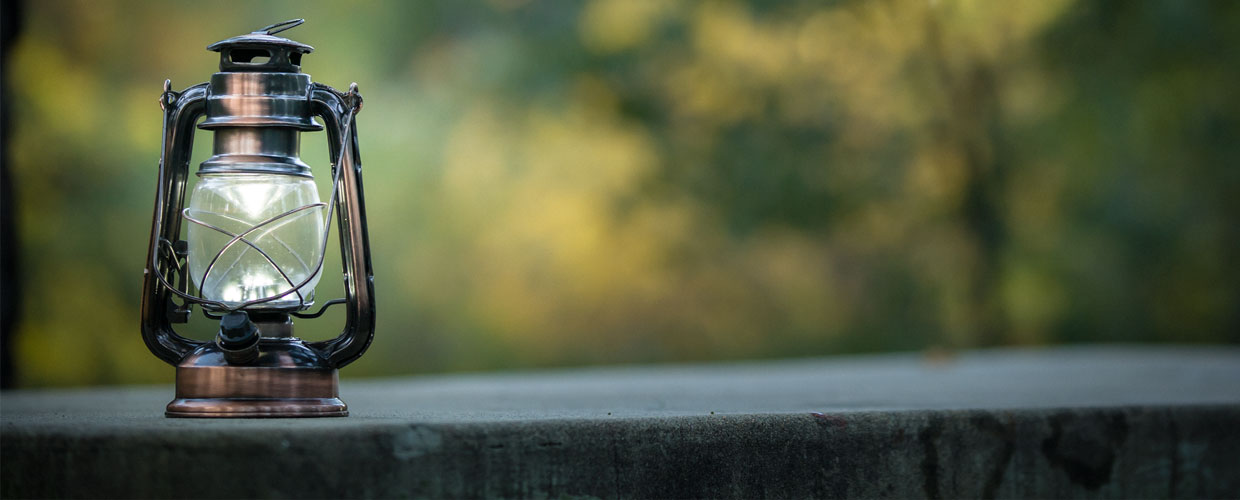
[321, 309]
[280, 26]
[241, 237]
[164, 244]
[295, 288]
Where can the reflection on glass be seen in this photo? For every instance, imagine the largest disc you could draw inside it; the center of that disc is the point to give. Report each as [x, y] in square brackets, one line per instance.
[237, 202]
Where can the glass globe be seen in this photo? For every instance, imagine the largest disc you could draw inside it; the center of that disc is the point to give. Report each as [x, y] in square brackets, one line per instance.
[235, 202]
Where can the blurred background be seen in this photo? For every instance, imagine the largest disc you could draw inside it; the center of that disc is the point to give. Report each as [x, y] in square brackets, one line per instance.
[564, 183]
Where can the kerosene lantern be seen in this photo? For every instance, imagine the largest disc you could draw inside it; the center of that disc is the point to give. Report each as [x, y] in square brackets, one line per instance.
[256, 234]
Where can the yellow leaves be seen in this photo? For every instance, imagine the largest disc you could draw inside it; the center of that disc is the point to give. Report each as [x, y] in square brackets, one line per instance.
[583, 151]
[1035, 204]
[143, 121]
[1029, 95]
[1033, 299]
[81, 330]
[536, 191]
[724, 34]
[615, 25]
[735, 58]
[991, 31]
[798, 275]
[494, 154]
[691, 179]
[854, 58]
[476, 157]
[64, 95]
[702, 93]
[936, 177]
[549, 254]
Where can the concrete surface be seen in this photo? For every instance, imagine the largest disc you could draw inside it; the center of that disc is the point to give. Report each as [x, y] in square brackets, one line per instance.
[1095, 422]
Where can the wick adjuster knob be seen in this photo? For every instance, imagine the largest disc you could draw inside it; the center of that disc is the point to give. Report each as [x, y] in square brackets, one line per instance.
[238, 338]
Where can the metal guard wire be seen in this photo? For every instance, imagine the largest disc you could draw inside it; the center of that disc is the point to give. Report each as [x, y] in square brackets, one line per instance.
[294, 288]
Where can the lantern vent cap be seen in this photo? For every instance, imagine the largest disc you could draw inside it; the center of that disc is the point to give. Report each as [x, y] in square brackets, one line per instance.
[262, 51]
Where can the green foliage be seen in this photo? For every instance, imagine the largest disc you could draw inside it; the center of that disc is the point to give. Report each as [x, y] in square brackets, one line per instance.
[564, 183]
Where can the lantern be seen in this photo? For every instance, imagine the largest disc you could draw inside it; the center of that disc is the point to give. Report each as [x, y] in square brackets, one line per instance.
[255, 234]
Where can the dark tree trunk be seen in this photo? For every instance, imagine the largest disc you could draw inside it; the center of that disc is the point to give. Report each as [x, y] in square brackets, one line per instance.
[10, 278]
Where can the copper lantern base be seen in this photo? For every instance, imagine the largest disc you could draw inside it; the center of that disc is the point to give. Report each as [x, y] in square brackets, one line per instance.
[289, 379]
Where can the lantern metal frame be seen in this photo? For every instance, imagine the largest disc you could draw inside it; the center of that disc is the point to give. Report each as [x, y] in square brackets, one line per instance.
[292, 377]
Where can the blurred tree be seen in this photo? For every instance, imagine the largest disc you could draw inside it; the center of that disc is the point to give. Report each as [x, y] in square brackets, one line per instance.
[609, 181]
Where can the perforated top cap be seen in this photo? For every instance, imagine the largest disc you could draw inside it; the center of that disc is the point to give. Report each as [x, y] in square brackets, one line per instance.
[261, 51]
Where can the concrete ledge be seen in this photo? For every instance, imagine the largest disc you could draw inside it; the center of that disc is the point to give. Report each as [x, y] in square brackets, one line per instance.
[1078, 422]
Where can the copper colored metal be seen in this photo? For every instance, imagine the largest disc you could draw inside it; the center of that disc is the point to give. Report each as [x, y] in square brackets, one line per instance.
[287, 380]
[256, 106]
[256, 408]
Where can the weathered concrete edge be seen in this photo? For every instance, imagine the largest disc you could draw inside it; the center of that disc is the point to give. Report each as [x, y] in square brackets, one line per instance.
[1175, 451]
